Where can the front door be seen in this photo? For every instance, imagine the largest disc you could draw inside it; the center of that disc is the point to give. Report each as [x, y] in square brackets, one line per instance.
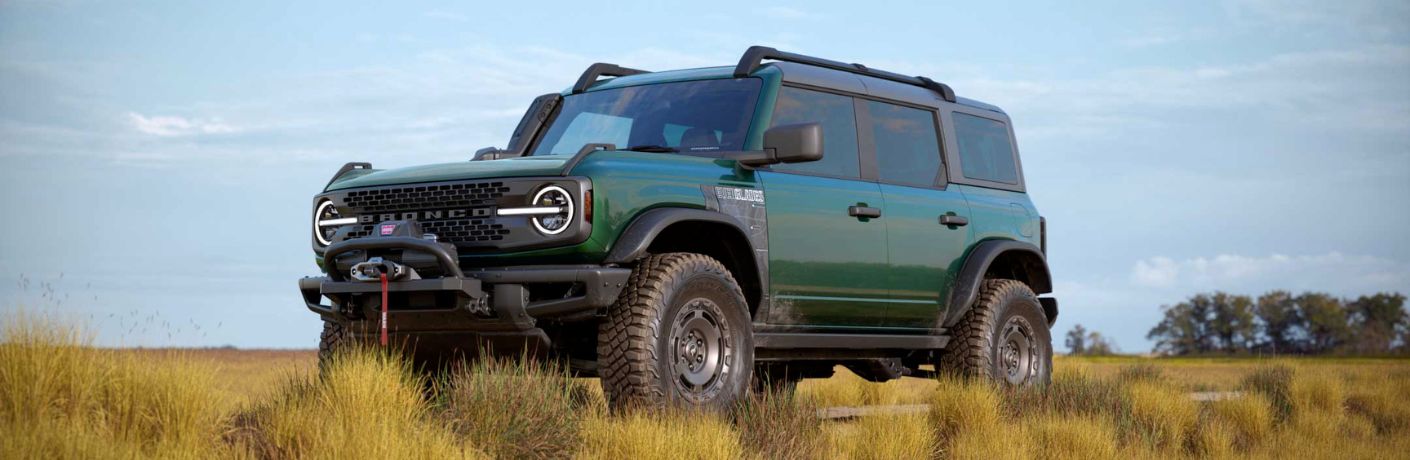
[827, 254]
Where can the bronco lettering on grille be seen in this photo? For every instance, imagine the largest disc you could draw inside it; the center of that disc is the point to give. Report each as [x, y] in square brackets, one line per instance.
[425, 215]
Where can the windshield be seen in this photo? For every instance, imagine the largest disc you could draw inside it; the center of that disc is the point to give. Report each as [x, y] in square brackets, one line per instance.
[691, 116]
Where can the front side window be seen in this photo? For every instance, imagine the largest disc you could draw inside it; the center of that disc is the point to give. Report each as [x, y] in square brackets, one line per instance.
[693, 116]
[838, 118]
[986, 151]
[907, 147]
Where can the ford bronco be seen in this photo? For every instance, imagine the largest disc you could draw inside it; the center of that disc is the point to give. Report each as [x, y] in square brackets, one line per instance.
[691, 236]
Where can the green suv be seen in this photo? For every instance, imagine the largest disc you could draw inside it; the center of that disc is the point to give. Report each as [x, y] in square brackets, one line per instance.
[691, 236]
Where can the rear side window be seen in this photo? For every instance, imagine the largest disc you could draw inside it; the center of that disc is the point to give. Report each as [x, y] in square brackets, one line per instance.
[986, 153]
[907, 147]
[839, 124]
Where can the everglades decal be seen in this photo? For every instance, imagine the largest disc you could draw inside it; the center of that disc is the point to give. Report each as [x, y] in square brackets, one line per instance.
[740, 194]
[746, 205]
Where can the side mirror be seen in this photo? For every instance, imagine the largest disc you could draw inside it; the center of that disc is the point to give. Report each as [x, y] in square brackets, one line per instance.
[788, 144]
[491, 153]
[795, 143]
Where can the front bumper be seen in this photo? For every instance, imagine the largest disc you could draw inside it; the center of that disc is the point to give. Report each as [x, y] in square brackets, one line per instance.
[486, 302]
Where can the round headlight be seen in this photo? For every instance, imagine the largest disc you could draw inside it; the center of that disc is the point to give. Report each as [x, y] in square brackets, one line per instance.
[553, 197]
[325, 222]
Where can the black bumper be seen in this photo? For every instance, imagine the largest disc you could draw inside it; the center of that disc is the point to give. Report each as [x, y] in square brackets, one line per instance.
[485, 301]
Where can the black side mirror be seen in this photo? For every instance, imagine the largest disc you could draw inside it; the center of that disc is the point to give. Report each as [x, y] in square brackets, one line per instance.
[489, 153]
[788, 144]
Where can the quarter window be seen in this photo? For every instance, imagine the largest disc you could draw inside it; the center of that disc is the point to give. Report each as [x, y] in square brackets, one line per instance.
[907, 148]
[986, 152]
[839, 124]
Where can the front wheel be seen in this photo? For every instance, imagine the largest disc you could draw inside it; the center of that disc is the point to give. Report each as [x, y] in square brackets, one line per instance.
[329, 342]
[678, 334]
[1003, 337]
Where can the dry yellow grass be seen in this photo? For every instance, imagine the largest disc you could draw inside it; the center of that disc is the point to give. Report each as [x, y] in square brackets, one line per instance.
[881, 437]
[1384, 402]
[1248, 420]
[369, 405]
[1057, 437]
[647, 435]
[60, 398]
[957, 407]
[516, 409]
[1165, 417]
[847, 389]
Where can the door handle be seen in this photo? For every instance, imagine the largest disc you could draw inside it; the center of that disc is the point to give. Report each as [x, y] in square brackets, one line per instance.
[863, 212]
[951, 220]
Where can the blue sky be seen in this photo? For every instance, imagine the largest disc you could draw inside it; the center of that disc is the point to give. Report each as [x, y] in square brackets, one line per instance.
[157, 159]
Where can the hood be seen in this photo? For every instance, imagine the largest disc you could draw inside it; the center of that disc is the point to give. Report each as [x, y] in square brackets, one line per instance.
[509, 167]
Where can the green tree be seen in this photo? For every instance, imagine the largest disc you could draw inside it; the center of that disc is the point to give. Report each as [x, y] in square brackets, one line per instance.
[1185, 328]
[1077, 340]
[1377, 320]
[1325, 320]
[1080, 341]
[1099, 345]
[1279, 321]
[1231, 321]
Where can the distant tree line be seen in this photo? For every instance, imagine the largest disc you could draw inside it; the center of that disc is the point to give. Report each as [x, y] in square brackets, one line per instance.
[1282, 323]
[1080, 341]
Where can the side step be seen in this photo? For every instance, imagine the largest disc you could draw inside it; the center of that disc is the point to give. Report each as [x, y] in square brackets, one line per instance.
[798, 340]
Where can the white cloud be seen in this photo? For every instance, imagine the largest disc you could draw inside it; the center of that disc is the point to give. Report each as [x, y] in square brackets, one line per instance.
[783, 12]
[1156, 272]
[1379, 17]
[1333, 271]
[446, 15]
[1164, 36]
[1352, 92]
[170, 126]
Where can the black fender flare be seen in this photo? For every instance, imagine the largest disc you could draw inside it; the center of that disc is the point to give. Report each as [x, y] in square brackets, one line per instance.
[966, 288]
[633, 242]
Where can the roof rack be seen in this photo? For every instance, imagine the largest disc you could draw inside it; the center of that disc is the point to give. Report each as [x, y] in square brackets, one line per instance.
[754, 56]
[602, 69]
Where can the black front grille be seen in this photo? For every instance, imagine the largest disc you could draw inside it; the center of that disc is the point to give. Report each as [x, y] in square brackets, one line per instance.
[463, 212]
[465, 195]
[452, 231]
[425, 197]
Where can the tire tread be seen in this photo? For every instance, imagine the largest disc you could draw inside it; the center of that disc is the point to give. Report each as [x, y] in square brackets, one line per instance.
[626, 350]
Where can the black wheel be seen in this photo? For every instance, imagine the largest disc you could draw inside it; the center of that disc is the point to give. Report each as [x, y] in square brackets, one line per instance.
[678, 334]
[333, 336]
[1004, 337]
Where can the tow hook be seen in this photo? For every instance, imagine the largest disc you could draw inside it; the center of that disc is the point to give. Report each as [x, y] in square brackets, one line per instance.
[373, 269]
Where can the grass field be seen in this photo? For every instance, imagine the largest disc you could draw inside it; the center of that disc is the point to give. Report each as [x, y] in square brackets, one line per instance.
[61, 399]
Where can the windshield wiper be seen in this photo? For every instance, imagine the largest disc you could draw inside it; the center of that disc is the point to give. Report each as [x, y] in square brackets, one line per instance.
[652, 149]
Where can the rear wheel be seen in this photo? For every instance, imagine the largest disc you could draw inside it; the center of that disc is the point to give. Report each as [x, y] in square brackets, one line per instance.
[1004, 337]
[678, 334]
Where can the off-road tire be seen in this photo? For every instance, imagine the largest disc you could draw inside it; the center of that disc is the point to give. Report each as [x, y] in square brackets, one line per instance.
[640, 343]
[334, 335]
[990, 340]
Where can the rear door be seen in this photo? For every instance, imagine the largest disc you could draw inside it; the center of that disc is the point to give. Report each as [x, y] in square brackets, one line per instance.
[827, 267]
[925, 248]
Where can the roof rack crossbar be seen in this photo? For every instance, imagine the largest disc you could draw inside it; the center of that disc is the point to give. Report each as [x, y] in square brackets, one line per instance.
[602, 69]
[755, 55]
